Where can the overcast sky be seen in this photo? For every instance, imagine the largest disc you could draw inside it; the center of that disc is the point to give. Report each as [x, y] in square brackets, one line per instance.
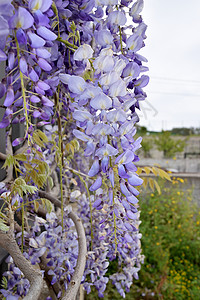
[173, 53]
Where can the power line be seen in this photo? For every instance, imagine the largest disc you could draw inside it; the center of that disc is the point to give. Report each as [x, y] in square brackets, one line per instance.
[175, 79]
[174, 94]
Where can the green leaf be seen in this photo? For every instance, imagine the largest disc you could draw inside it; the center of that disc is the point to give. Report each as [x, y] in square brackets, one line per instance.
[147, 170]
[36, 205]
[145, 182]
[157, 187]
[28, 166]
[73, 26]
[3, 216]
[37, 139]
[139, 170]
[9, 161]
[20, 156]
[3, 227]
[75, 144]
[50, 181]
[164, 174]
[20, 187]
[151, 184]
[4, 283]
[49, 206]
[42, 136]
[155, 171]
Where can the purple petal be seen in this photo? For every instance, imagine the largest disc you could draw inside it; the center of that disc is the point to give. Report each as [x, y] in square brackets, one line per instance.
[104, 164]
[36, 41]
[9, 97]
[41, 19]
[4, 123]
[131, 215]
[103, 37]
[17, 142]
[25, 18]
[44, 65]
[125, 204]
[128, 238]
[39, 91]
[76, 84]
[36, 113]
[41, 52]
[94, 168]
[43, 85]
[111, 177]
[54, 279]
[81, 115]
[124, 189]
[23, 65]
[142, 82]
[111, 196]
[89, 149]
[22, 19]
[97, 184]
[106, 150]
[134, 179]
[21, 36]
[128, 226]
[43, 5]
[46, 33]
[83, 52]
[133, 190]
[101, 101]
[132, 69]
[122, 172]
[131, 167]
[81, 135]
[33, 75]
[125, 157]
[132, 199]
[97, 203]
[11, 60]
[47, 102]
[35, 99]
[118, 88]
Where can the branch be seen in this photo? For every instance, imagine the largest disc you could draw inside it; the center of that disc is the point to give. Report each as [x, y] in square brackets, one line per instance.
[34, 276]
[3, 156]
[75, 282]
[9, 150]
[53, 289]
[80, 266]
[77, 172]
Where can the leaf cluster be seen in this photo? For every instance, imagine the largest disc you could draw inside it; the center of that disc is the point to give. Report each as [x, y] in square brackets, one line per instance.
[149, 181]
[168, 145]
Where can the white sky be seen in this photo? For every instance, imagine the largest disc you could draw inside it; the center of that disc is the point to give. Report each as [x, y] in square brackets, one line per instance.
[173, 53]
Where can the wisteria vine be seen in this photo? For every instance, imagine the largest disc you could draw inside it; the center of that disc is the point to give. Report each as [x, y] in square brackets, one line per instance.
[73, 78]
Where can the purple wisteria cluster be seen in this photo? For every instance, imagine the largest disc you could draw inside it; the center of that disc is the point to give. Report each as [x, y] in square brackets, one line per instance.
[74, 67]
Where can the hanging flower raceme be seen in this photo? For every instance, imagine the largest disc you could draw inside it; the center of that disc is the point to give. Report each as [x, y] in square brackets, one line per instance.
[75, 67]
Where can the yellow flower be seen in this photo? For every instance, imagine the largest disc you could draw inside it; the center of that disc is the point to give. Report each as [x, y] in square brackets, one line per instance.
[156, 227]
[179, 225]
[178, 193]
[157, 244]
[198, 223]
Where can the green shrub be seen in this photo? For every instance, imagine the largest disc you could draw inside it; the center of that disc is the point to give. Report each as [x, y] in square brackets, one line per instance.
[168, 145]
